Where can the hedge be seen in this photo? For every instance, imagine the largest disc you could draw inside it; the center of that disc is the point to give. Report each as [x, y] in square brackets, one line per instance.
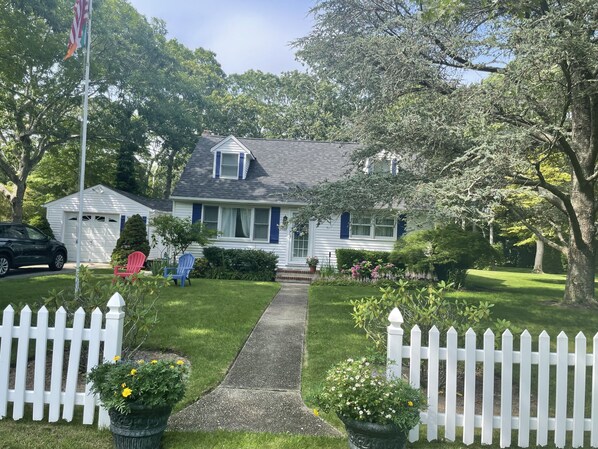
[346, 258]
[246, 264]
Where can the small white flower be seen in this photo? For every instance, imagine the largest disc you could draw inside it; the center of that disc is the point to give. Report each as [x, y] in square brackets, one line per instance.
[388, 416]
[361, 412]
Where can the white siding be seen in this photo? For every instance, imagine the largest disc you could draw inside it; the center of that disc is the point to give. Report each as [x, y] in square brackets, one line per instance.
[327, 240]
[95, 200]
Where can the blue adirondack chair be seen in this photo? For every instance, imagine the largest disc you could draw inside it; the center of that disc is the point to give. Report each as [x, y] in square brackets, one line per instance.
[181, 272]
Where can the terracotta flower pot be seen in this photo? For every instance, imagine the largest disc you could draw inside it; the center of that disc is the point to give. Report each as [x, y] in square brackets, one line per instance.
[141, 429]
[312, 268]
[366, 435]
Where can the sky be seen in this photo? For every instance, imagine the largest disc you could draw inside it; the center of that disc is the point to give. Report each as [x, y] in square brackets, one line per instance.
[244, 34]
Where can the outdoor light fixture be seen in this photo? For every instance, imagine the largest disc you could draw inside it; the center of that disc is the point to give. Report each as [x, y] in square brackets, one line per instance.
[285, 222]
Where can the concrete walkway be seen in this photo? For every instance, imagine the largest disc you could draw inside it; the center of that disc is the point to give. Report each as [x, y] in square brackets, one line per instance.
[261, 392]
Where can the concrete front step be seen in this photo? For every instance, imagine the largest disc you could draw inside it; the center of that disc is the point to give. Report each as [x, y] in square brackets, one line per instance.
[295, 275]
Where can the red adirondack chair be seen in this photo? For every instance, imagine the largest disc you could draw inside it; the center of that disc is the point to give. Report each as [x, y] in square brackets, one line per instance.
[134, 264]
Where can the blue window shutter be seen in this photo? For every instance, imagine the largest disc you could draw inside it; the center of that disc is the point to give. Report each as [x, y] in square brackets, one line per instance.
[144, 220]
[401, 226]
[123, 220]
[196, 214]
[241, 165]
[394, 167]
[345, 219]
[274, 222]
[217, 175]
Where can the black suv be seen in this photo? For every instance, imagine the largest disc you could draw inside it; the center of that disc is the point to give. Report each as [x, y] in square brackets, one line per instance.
[22, 245]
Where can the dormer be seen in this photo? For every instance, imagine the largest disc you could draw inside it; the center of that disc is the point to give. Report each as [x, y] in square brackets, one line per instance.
[381, 164]
[231, 159]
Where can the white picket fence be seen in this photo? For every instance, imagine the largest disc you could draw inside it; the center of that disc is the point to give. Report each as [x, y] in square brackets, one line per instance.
[57, 396]
[515, 402]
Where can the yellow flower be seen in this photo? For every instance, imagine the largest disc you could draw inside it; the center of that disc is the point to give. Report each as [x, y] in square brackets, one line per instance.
[153, 362]
[172, 366]
[123, 385]
[116, 358]
[316, 412]
[410, 404]
[180, 362]
[127, 392]
[140, 362]
[133, 372]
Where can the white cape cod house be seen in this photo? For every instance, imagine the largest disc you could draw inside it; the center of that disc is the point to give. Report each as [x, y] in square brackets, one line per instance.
[240, 188]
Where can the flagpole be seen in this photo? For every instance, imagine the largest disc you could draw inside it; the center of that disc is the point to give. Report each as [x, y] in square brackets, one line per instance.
[83, 151]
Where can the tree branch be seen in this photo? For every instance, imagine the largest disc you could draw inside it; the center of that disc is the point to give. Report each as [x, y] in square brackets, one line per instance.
[536, 231]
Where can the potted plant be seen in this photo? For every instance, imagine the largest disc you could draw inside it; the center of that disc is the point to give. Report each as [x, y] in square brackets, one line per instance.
[139, 397]
[312, 262]
[377, 412]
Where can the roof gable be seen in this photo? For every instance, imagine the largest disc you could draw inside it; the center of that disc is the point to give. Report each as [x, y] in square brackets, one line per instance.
[232, 144]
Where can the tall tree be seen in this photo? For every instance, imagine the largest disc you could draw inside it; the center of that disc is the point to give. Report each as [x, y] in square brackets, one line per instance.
[406, 60]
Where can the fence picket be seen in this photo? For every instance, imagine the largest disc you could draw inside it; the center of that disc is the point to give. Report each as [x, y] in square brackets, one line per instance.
[41, 349]
[111, 335]
[395, 344]
[543, 388]
[506, 389]
[488, 387]
[525, 388]
[414, 369]
[450, 400]
[57, 361]
[560, 414]
[93, 358]
[70, 390]
[469, 387]
[433, 365]
[8, 317]
[580, 390]
[18, 408]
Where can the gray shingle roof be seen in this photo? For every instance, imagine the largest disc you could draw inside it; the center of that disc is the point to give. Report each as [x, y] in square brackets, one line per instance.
[280, 165]
[152, 203]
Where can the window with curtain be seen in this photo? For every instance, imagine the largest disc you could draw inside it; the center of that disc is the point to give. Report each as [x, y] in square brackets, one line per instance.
[236, 222]
[361, 225]
[229, 165]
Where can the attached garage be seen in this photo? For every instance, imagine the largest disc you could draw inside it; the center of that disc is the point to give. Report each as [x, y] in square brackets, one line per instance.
[105, 211]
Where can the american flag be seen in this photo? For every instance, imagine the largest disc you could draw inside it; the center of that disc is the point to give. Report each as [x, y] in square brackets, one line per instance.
[78, 30]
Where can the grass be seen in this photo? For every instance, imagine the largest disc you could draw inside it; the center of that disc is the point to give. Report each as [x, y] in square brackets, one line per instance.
[209, 321]
[529, 301]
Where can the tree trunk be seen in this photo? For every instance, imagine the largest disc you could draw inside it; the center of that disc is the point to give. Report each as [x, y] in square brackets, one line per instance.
[16, 202]
[169, 174]
[539, 257]
[491, 233]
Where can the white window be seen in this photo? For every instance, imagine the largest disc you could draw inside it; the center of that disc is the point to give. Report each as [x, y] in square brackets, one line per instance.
[238, 222]
[368, 226]
[379, 166]
[229, 165]
[210, 217]
[261, 224]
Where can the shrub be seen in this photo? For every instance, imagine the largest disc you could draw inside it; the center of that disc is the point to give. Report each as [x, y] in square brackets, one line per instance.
[346, 258]
[179, 233]
[41, 223]
[424, 307]
[140, 303]
[447, 252]
[245, 264]
[132, 238]
[200, 267]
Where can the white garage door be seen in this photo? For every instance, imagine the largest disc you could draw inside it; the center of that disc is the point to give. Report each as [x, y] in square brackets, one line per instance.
[98, 236]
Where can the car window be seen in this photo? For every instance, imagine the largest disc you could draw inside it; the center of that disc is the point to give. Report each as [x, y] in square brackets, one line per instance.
[17, 232]
[34, 234]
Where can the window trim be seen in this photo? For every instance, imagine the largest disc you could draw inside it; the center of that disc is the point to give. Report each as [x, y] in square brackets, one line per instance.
[372, 225]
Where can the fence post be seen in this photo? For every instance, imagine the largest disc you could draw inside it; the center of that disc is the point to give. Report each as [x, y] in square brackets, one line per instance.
[394, 347]
[115, 319]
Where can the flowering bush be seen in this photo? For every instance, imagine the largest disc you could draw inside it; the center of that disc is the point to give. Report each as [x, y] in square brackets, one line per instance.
[312, 261]
[157, 383]
[366, 270]
[356, 389]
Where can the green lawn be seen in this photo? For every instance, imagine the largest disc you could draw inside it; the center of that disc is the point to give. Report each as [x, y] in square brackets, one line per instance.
[528, 300]
[209, 321]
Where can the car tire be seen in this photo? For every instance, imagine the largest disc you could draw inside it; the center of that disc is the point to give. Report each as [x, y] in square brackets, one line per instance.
[4, 265]
[57, 261]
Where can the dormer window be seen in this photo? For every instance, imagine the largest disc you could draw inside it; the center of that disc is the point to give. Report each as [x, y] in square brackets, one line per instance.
[381, 166]
[231, 159]
[229, 165]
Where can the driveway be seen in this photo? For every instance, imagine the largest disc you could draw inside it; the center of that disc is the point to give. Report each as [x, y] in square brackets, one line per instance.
[43, 270]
